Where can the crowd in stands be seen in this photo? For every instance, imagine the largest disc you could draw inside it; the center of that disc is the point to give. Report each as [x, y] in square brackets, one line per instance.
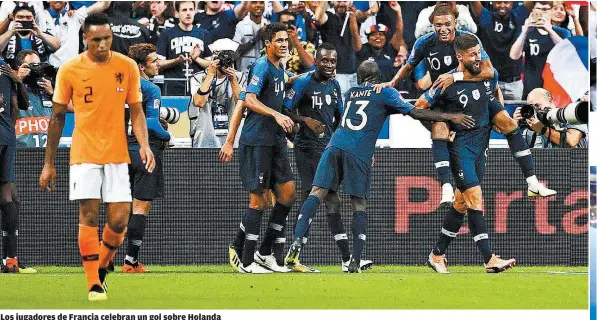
[383, 31]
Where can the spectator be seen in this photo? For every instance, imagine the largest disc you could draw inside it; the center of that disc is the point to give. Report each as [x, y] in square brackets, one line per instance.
[537, 38]
[339, 27]
[66, 26]
[409, 21]
[220, 24]
[126, 32]
[215, 94]
[563, 16]
[303, 16]
[162, 17]
[248, 33]
[300, 52]
[379, 50]
[464, 21]
[498, 31]
[182, 47]
[25, 34]
[31, 126]
[540, 136]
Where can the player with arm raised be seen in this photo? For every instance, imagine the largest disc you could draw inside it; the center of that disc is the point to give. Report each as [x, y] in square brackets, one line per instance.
[436, 51]
[146, 186]
[467, 154]
[347, 157]
[99, 82]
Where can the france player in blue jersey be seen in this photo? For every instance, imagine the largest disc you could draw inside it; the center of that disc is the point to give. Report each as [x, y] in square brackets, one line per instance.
[467, 154]
[264, 162]
[347, 157]
[315, 101]
[146, 186]
[437, 52]
[13, 96]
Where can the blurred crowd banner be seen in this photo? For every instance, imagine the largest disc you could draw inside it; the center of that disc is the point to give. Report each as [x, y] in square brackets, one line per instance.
[204, 202]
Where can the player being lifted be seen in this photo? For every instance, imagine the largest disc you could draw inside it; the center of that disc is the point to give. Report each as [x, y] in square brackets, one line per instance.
[145, 185]
[467, 154]
[264, 163]
[436, 51]
[99, 82]
[315, 101]
[347, 157]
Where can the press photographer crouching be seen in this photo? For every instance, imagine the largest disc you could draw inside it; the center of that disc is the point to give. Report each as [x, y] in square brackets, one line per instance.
[32, 124]
[550, 126]
[216, 91]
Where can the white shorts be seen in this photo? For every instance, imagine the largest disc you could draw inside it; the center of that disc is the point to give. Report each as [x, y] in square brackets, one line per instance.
[109, 182]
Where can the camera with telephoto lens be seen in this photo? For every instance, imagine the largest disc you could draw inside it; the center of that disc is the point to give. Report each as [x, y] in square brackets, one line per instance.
[574, 113]
[170, 115]
[39, 71]
[227, 58]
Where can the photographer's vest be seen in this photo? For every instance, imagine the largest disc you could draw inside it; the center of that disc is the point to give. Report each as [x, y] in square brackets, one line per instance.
[31, 127]
[15, 45]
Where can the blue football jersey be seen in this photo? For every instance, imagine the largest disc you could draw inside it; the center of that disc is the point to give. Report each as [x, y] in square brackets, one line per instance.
[365, 112]
[7, 128]
[267, 83]
[152, 101]
[470, 98]
[317, 100]
[438, 57]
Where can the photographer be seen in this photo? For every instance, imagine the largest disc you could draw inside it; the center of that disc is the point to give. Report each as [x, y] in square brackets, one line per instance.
[32, 124]
[216, 93]
[25, 34]
[540, 136]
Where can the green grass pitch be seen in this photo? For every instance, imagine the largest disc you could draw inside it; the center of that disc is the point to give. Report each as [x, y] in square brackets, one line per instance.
[383, 287]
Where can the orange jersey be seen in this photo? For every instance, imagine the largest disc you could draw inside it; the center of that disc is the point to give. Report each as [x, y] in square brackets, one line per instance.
[99, 92]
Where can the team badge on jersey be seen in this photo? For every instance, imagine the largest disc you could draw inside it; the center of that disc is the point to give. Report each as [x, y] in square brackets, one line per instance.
[255, 80]
[118, 77]
[291, 94]
[328, 99]
[157, 103]
[476, 94]
[448, 60]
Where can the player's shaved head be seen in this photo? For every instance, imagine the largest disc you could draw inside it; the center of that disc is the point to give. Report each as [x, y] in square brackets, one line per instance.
[368, 71]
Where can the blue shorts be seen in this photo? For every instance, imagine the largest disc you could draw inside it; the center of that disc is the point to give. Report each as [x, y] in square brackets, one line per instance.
[261, 167]
[337, 166]
[146, 186]
[468, 156]
[7, 163]
[307, 160]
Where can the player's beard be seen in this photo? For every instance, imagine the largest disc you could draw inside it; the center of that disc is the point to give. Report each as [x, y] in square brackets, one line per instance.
[472, 69]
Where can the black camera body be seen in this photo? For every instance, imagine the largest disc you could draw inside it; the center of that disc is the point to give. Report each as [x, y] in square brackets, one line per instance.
[39, 71]
[227, 58]
[26, 25]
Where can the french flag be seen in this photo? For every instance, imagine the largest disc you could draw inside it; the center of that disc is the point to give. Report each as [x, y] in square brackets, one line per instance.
[566, 71]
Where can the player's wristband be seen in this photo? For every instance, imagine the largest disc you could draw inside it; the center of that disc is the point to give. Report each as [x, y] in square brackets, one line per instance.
[202, 93]
[458, 76]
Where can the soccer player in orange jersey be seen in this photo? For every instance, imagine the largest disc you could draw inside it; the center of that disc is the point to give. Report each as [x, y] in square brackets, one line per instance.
[99, 82]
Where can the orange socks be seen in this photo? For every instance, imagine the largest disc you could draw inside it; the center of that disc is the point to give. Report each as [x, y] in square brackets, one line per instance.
[111, 241]
[89, 248]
